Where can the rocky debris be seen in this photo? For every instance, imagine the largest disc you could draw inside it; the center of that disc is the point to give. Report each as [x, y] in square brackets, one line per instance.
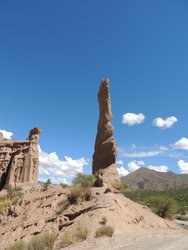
[38, 212]
[19, 161]
[104, 157]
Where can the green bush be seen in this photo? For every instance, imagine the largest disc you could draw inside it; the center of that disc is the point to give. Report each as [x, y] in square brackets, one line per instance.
[104, 231]
[79, 194]
[162, 206]
[20, 245]
[84, 180]
[44, 241]
[179, 195]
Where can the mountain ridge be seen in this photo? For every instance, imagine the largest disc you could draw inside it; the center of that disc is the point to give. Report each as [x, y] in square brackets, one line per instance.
[148, 179]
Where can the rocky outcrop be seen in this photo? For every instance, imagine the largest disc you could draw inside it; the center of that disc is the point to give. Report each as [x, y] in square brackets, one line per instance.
[19, 161]
[104, 157]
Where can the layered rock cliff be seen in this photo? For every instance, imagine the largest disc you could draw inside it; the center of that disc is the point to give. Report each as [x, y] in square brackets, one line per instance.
[19, 161]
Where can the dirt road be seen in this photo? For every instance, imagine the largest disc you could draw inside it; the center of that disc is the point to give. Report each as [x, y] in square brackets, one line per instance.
[172, 242]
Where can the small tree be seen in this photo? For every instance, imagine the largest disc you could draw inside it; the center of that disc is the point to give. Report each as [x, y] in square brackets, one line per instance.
[163, 206]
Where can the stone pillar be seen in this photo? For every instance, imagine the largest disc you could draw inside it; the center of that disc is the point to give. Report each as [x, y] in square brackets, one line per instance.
[104, 157]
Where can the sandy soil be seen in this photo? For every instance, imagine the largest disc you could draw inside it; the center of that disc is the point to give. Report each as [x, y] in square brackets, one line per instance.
[134, 225]
[170, 242]
[160, 242]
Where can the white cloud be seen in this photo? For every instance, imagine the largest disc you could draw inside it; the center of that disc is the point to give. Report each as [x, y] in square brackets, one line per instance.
[163, 148]
[51, 167]
[133, 119]
[134, 165]
[133, 146]
[181, 144]
[160, 168]
[141, 154]
[120, 162]
[165, 123]
[6, 134]
[122, 171]
[183, 165]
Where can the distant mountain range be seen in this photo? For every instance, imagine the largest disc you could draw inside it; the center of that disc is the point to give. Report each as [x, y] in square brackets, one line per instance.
[147, 179]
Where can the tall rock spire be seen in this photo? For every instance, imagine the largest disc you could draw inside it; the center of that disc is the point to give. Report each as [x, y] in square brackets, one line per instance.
[104, 156]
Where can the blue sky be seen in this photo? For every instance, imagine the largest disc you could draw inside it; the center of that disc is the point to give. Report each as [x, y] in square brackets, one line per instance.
[53, 56]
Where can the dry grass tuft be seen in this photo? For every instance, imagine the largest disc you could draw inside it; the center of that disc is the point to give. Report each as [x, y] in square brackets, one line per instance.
[104, 231]
[20, 245]
[118, 185]
[79, 194]
[71, 237]
[43, 241]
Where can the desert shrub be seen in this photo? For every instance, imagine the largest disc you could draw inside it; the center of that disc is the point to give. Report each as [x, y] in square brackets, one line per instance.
[46, 184]
[69, 238]
[63, 205]
[10, 190]
[79, 194]
[20, 245]
[104, 231]
[14, 194]
[118, 185]
[81, 234]
[84, 180]
[4, 206]
[162, 206]
[103, 220]
[44, 241]
[17, 196]
[34, 189]
[64, 185]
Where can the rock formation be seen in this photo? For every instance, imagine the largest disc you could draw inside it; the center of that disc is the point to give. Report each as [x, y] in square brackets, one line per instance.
[19, 161]
[104, 157]
[49, 211]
